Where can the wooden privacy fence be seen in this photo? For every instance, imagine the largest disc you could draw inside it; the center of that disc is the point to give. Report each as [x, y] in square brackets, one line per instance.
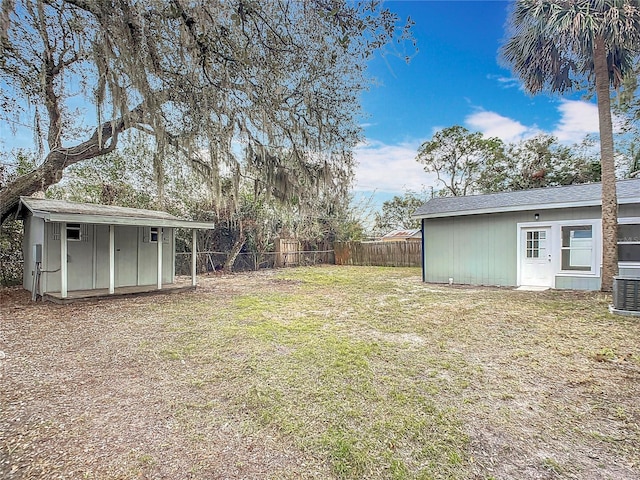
[385, 254]
[287, 252]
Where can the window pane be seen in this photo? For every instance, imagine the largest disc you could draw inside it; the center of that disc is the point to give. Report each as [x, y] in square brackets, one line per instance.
[575, 234]
[577, 244]
[629, 252]
[73, 231]
[629, 233]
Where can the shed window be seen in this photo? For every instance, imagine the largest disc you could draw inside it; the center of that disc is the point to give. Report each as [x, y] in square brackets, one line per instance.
[153, 237]
[629, 243]
[577, 248]
[73, 232]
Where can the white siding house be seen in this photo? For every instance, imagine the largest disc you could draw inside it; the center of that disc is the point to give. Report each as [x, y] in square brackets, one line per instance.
[545, 237]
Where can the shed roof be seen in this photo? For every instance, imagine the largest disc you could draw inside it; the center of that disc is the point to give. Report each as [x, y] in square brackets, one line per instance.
[408, 233]
[73, 212]
[583, 195]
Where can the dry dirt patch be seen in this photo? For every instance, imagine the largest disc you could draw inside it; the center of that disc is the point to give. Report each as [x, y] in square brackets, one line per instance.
[210, 385]
[80, 399]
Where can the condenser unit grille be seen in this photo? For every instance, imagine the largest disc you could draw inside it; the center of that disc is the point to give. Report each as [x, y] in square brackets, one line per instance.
[626, 294]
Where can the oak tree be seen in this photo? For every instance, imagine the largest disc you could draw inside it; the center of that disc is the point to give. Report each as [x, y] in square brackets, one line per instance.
[267, 88]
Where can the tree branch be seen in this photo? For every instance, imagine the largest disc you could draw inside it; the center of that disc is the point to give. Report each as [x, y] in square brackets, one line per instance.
[50, 172]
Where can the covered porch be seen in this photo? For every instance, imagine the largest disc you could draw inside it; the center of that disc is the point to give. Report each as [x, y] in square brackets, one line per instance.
[179, 286]
[74, 250]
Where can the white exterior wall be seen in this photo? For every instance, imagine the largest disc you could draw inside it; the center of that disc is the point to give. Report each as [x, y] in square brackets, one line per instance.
[33, 234]
[148, 256]
[88, 259]
[50, 280]
[487, 249]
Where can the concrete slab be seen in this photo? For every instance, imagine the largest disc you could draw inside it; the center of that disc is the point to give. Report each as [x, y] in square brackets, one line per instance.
[532, 288]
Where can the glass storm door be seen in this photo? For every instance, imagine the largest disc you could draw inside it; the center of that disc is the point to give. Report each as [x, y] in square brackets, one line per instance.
[536, 268]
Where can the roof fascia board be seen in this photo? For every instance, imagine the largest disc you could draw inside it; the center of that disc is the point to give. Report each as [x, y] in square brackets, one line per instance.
[132, 221]
[515, 208]
[523, 208]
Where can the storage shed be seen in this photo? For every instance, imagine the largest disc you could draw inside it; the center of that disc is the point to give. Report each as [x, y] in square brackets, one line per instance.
[546, 237]
[106, 249]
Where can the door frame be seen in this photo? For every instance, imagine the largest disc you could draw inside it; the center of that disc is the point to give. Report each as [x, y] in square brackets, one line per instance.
[551, 248]
[555, 244]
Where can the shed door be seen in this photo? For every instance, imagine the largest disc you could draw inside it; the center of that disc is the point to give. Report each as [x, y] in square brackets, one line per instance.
[536, 268]
[126, 255]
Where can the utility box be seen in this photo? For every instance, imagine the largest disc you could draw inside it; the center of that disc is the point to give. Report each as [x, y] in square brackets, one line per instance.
[37, 253]
[626, 295]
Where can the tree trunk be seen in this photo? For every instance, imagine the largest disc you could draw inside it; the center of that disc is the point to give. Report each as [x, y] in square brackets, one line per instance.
[233, 254]
[609, 197]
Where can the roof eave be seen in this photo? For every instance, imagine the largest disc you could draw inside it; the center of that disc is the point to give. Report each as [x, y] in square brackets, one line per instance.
[522, 208]
[114, 220]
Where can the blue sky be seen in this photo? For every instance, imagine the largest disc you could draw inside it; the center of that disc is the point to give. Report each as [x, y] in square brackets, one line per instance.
[455, 78]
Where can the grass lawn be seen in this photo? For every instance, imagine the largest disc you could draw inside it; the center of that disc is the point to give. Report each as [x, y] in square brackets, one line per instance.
[324, 372]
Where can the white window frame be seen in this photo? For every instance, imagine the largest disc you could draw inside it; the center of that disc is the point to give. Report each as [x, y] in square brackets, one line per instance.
[74, 227]
[535, 243]
[596, 247]
[555, 244]
[577, 249]
[152, 231]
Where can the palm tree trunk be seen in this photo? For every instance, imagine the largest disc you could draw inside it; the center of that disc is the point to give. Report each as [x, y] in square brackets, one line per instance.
[609, 197]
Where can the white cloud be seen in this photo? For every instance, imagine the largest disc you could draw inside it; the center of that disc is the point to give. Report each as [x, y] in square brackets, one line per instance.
[394, 169]
[506, 82]
[492, 124]
[390, 168]
[577, 119]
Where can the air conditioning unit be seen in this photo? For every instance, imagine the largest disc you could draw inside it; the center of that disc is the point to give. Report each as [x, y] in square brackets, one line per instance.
[626, 295]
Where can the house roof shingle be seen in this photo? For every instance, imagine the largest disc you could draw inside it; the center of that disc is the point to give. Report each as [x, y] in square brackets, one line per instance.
[588, 194]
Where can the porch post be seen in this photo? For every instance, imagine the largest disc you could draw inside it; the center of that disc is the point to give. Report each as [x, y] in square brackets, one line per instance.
[112, 260]
[194, 257]
[160, 240]
[63, 260]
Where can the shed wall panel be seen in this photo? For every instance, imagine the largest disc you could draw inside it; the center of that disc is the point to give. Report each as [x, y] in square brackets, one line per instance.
[102, 256]
[577, 283]
[50, 281]
[479, 250]
[80, 261]
[148, 258]
[33, 234]
[168, 257]
[629, 271]
[126, 255]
